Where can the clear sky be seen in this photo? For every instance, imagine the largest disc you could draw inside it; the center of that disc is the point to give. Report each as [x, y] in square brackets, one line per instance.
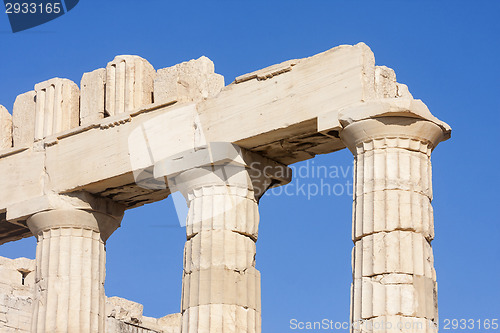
[447, 52]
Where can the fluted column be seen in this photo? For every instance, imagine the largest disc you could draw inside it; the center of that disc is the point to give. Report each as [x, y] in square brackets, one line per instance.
[394, 281]
[70, 270]
[221, 286]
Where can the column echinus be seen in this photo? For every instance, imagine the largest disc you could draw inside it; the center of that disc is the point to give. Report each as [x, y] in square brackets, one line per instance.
[394, 282]
[222, 184]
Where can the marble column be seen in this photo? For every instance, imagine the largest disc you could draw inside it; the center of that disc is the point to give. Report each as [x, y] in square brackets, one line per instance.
[70, 269]
[221, 286]
[394, 282]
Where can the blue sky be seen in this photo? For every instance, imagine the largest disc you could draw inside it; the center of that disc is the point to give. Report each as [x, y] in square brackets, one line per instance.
[447, 52]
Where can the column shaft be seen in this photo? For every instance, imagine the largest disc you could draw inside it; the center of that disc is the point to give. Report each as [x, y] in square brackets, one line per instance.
[221, 287]
[394, 281]
[222, 184]
[70, 271]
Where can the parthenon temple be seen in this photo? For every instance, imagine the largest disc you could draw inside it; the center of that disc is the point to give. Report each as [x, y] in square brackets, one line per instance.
[74, 158]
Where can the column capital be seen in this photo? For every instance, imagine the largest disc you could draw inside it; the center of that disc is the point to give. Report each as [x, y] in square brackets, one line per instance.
[75, 200]
[222, 163]
[73, 218]
[75, 210]
[391, 119]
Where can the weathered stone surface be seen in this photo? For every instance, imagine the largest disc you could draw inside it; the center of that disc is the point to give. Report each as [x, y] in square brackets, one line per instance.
[70, 259]
[261, 103]
[268, 72]
[189, 81]
[417, 214]
[23, 118]
[168, 324]
[219, 258]
[221, 318]
[57, 107]
[234, 209]
[17, 279]
[393, 252]
[116, 326]
[225, 249]
[17, 282]
[393, 264]
[221, 287]
[171, 323]
[395, 324]
[279, 115]
[124, 310]
[25, 180]
[92, 97]
[16, 272]
[378, 296]
[124, 316]
[75, 200]
[129, 84]
[385, 82]
[5, 128]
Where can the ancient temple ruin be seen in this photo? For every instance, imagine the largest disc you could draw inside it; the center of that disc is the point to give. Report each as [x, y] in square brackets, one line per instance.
[74, 158]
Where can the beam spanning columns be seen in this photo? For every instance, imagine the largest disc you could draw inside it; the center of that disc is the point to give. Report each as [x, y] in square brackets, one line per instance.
[275, 112]
[394, 287]
[70, 269]
[221, 286]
